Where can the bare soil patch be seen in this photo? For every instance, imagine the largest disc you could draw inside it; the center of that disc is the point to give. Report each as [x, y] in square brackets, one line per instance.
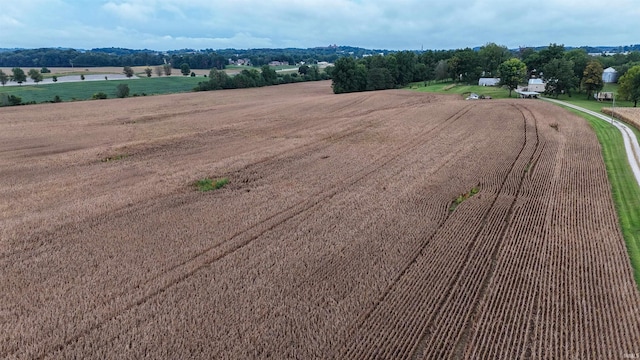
[334, 237]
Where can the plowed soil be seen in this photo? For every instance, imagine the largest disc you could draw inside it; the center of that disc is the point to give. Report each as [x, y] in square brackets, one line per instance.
[335, 237]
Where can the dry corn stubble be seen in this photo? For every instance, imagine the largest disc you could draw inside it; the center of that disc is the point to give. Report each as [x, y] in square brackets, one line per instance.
[333, 237]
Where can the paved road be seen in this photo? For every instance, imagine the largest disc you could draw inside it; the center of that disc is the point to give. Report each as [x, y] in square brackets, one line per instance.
[630, 140]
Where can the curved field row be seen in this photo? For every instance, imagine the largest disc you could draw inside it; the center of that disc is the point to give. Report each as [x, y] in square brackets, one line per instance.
[334, 238]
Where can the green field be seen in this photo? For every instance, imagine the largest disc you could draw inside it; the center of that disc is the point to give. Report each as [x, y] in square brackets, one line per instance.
[84, 90]
[462, 90]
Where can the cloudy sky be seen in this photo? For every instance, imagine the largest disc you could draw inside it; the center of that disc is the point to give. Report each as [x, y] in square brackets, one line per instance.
[374, 24]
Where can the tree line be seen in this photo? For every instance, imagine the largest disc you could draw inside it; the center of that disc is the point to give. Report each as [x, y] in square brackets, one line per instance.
[563, 71]
[266, 76]
[37, 58]
[197, 59]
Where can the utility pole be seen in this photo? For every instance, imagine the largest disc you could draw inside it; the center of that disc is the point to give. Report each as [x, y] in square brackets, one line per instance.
[613, 111]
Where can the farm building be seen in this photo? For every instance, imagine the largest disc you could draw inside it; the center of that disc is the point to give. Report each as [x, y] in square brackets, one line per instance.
[488, 81]
[610, 75]
[601, 96]
[536, 85]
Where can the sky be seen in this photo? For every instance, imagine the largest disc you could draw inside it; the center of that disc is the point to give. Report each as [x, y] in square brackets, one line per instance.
[372, 24]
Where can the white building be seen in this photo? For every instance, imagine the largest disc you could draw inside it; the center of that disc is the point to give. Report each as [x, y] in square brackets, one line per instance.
[609, 75]
[488, 81]
[536, 85]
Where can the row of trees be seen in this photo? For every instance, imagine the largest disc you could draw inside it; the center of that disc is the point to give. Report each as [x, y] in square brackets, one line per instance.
[267, 76]
[196, 59]
[36, 58]
[564, 71]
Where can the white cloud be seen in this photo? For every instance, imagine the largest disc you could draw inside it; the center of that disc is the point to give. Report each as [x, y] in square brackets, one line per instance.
[135, 11]
[380, 24]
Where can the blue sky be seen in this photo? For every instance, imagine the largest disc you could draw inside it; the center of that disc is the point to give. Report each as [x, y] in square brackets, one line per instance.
[375, 24]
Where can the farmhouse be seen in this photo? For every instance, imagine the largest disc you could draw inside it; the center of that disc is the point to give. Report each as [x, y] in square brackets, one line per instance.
[489, 81]
[609, 75]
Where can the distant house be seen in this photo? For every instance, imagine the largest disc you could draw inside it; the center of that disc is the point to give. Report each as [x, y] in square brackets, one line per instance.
[245, 62]
[610, 75]
[536, 85]
[278, 63]
[488, 81]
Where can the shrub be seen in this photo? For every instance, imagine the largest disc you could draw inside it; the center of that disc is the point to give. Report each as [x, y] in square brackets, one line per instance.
[207, 184]
[14, 100]
[122, 91]
[100, 95]
[57, 99]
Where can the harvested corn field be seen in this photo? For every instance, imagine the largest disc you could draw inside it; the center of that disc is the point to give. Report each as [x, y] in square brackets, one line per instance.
[382, 225]
[629, 115]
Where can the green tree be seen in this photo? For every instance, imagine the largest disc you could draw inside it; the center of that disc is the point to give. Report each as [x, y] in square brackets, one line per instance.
[629, 85]
[379, 79]
[122, 90]
[512, 72]
[4, 78]
[313, 73]
[81, 76]
[491, 56]
[269, 75]
[560, 77]
[580, 60]
[302, 70]
[329, 70]
[406, 61]
[421, 72]
[185, 69]
[592, 78]
[45, 70]
[54, 78]
[127, 71]
[218, 79]
[148, 71]
[348, 76]
[159, 70]
[471, 66]
[167, 69]
[18, 75]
